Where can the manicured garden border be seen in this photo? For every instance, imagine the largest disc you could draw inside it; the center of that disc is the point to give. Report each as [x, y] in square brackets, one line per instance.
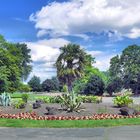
[67, 123]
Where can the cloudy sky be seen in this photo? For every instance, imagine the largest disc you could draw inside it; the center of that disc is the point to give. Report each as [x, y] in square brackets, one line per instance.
[102, 27]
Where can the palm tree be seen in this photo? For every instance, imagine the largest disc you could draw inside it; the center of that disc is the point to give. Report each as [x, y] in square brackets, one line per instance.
[71, 64]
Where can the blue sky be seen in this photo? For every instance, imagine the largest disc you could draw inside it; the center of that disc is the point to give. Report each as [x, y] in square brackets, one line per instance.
[102, 27]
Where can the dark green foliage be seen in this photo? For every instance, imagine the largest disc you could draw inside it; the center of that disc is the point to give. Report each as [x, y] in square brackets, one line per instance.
[4, 83]
[26, 60]
[114, 86]
[20, 104]
[12, 64]
[127, 67]
[48, 85]
[51, 85]
[24, 88]
[132, 83]
[34, 83]
[71, 64]
[95, 86]
[80, 84]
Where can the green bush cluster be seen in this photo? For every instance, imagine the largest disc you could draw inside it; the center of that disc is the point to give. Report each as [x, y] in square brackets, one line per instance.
[50, 99]
[25, 97]
[20, 104]
[123, 100]
[84, 99]
[90, 99]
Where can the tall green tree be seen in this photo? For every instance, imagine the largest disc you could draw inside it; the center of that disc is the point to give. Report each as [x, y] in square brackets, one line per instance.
[115, 67]
[71, 64]
[127, 67]
[35, 83]
[12, 60]
[25, 60]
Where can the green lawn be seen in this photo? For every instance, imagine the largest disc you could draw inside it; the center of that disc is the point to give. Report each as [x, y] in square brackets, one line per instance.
[68, 123]
[32, 97]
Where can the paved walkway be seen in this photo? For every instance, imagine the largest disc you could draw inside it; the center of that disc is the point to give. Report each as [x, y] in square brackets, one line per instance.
[115, 133]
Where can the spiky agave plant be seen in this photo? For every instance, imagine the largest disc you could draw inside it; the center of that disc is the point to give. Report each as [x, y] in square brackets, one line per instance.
[70, 102]
[5, 99]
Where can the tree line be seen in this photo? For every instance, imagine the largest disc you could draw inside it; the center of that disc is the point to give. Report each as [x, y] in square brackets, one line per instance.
[75, 69]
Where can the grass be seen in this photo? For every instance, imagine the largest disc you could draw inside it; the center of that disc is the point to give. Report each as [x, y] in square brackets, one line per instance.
[67, 123]
[32, 97]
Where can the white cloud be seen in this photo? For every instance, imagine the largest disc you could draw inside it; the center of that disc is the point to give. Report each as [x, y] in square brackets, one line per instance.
[44, 54]
[134, 33]
[81, 16]
[102, 59]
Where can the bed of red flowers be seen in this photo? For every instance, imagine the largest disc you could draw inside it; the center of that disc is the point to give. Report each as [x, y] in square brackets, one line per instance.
[34, 116]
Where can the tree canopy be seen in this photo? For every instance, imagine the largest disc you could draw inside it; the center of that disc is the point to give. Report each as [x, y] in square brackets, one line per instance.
[71, 63]
[127, 67]
[13, 64]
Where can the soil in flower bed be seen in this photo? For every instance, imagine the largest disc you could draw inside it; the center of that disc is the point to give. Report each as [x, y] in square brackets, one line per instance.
[88, 109]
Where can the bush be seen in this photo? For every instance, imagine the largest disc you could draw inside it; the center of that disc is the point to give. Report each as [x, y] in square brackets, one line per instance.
[65, 88]
[123, 100]
[20, 104]
[114, 86]
[90, 99]
[34, 83]
[95, 86]
[24, 88]
[51, 99]
[25, 97]
[46, 99]
[51, 85]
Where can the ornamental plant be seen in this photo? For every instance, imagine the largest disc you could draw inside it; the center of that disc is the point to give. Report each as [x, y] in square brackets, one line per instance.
[70, 102]
[20, 104]
[123, 100]
[5, 99]
[25, 97]
[90, 99]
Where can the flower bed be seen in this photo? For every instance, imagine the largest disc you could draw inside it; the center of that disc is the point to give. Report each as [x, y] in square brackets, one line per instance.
[34, 116]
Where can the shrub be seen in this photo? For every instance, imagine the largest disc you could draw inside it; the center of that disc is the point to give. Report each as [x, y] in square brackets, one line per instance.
[52, 99]
[95, 86]
[51, 85]
[46, 99]
[123, 100]
[25, 97]
[65, 88]
[34, 83]
[90, 99]
[24, 88]
[114, 86]
[20, 104]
